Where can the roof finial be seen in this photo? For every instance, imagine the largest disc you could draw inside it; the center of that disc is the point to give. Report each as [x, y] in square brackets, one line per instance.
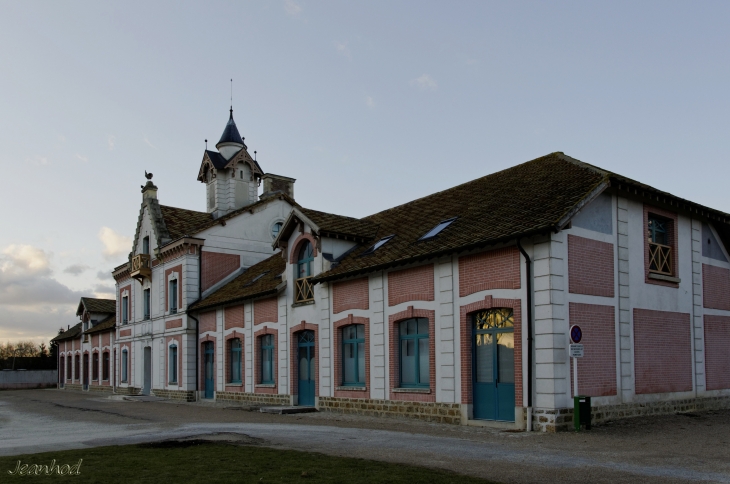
[206, 145]
[254, 155]
[231, 98]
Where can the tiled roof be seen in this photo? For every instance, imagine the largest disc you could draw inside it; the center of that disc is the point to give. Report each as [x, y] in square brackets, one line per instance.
[107, 324]
[331, 224]
[70, 333]
[526, 199]
[211, 222]
[94, 305]
[258, 280]
[217, 159]
[181, 222]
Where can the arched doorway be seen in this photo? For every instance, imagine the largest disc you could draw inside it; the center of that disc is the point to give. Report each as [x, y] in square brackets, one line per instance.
[493, 364]
[305, 357]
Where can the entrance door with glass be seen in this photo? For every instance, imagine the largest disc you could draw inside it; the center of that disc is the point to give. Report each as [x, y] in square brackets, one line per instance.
[306, 368]
[86, 372]
[147, 380]
[493, 365]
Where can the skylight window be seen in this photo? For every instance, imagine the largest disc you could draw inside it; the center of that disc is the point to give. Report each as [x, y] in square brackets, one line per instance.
[437, 229]
[378, 245]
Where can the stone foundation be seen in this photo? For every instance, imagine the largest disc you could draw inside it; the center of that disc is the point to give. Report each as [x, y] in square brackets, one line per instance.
[100, 388]
[73, 386]
[449, 413]
[181, 395]
[253, 398]
[562, 419]
[127, 390]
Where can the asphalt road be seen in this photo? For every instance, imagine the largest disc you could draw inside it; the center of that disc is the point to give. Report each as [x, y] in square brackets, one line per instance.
[679, 448]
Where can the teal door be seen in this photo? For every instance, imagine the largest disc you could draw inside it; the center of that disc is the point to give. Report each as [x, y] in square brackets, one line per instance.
[208, 369]
[306, 368]
[493, 365]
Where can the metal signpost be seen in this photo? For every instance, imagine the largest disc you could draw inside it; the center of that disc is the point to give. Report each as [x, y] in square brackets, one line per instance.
[576, 351]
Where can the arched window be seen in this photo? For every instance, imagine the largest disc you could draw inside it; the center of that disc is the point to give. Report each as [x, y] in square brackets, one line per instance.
[95, 367]
[69, 368]
[267, 359]
[125, 360]
[105, 366]
[353, 355]
[414, 364]
[304, 261]
[303, 290]
[172, 364]
[234, 358]
[276, 228]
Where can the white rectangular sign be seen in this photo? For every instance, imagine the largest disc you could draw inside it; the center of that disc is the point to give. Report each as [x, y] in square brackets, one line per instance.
[576, 350]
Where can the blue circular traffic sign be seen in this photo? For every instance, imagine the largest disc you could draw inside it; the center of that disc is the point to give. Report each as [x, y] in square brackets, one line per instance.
[576, 334]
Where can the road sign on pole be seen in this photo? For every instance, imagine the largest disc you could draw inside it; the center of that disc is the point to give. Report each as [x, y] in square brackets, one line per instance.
[576, 351]
[576, 334]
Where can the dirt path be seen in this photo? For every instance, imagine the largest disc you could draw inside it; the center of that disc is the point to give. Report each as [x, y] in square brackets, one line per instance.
[679, 448]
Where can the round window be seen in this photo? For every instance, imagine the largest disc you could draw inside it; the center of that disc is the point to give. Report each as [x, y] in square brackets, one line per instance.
[276, 228]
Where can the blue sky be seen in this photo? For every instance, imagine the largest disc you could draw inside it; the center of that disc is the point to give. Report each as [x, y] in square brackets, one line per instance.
[367, 104]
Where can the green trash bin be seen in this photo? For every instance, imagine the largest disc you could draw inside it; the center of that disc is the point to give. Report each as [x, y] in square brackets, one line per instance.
[581, 412]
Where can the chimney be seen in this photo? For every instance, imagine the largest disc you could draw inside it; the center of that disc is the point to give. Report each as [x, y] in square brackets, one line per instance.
[149, 190]
[276, 184]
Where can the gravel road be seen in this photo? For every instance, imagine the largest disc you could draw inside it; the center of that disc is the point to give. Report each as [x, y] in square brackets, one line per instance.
[678, 448]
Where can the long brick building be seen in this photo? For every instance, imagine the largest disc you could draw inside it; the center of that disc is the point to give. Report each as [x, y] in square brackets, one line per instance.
[455, 307]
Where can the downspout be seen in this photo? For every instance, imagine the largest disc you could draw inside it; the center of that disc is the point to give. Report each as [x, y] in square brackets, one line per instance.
[197, 324]
[528, 277]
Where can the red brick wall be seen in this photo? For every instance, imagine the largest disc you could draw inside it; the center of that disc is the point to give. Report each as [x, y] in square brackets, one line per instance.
[234, 335]
[257, 360]
[466, 343]
[106, 339]
[125, 332]
[393, 321]
[338, 326]
[207, 322]
[293, 354]
[234, 317]
[216, 266]
[177, 269]
[415, 284]
[715, 287]
[662, 351]
[266, 311]
[590, 267]
[672, 239]
[495, 269]
[351, 294]
[175, 323]
[717, 352]
[597, 368]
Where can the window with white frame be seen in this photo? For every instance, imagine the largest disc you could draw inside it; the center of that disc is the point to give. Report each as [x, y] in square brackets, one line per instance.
[172, 296]
[146, 298]
[172, 365]
[125, 362]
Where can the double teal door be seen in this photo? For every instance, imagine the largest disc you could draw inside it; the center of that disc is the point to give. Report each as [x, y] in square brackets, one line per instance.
[493, 365]
[208, 369]
[305, 357]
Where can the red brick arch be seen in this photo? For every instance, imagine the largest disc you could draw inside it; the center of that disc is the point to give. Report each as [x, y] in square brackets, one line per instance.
[393, 321]
[296, 244]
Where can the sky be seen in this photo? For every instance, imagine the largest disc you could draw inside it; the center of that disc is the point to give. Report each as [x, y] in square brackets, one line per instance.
[367, 104]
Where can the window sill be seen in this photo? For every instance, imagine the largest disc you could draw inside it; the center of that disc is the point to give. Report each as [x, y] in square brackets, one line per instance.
[172, 383]
[410, 390]
[234, 384]
[173, 311]
[266, 385]
[351, 389]
[303, 303]
[662, 277]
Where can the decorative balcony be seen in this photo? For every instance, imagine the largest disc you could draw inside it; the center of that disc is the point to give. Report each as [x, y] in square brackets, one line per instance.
[141, 267]
[660, 258]
[303, 290]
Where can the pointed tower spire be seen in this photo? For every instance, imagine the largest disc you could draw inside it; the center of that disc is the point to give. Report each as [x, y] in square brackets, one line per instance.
[231, 140]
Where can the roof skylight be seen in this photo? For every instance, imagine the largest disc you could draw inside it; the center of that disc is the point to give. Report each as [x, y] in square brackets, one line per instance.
[378, 244]
[437, 229]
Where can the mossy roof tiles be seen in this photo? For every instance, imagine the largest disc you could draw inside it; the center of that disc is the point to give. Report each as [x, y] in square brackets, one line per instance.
[259, 280]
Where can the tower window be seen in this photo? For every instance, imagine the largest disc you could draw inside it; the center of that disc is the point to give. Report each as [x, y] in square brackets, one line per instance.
[241, 174]
[276, 228]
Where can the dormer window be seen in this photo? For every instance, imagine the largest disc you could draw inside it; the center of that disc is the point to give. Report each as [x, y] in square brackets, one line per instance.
[378, 245]
[437, 229]
[276, 228]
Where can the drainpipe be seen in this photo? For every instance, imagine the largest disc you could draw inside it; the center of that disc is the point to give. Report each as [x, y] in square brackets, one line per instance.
[197, 323]
[528, 277]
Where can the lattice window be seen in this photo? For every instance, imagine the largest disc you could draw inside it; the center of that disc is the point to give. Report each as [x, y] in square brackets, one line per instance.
[660, 250]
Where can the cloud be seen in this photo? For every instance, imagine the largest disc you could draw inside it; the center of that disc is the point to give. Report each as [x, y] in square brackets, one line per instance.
[76, 269]
[425, 83]
[144, 138]
[104, 291]
[115, 245]
[61, 138]
[110, 141]
[343, 49]
[292, 8]
[369, 102]
[25, 279]
[39, 323]
[82, 158]
[103, 275]
[38, 160]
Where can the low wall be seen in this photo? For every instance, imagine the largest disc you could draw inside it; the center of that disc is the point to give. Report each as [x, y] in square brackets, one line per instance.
[449, 413]
[253, 398]
[182, 395]
[15, 379]
[562, 419]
